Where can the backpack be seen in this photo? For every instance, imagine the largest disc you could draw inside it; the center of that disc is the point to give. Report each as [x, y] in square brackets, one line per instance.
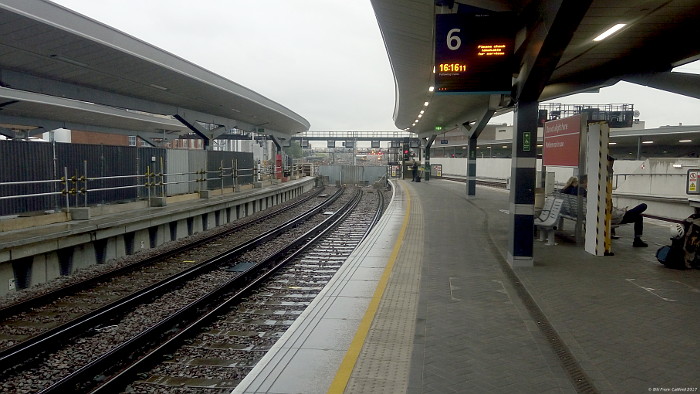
[672, 256]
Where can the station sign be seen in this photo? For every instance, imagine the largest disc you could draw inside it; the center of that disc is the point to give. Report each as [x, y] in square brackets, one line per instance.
[376, 144]
[330, 144]
[444, 142]
[561, 142]
[691, 186]
[474, 53]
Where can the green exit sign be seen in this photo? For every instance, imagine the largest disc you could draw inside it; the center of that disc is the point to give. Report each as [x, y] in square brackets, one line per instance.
[527, 141]
[438, 128]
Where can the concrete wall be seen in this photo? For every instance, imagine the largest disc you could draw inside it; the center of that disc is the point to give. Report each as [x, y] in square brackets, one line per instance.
[660, 183]
[353, 174]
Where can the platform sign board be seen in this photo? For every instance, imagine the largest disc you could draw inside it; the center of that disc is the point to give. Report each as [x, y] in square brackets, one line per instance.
[561, 142]
[691, 186]
[436, 170]
[330, 144]
[376, 144]
[474, 53]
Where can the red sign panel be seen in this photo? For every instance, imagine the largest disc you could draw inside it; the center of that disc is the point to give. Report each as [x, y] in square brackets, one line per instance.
[561, 142]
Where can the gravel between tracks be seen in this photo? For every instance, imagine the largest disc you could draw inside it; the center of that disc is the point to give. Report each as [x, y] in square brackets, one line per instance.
[99, 341]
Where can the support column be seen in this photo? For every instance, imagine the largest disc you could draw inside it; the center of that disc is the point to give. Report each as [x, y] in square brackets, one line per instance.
[426, 165]
[471, 167]
[277, 143]
[522, 185]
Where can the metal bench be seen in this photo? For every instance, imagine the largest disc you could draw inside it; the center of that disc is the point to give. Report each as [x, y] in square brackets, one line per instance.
[548, 221]
[569, 209]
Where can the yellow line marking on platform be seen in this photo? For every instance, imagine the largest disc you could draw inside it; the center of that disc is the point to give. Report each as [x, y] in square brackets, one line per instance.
[344, 372]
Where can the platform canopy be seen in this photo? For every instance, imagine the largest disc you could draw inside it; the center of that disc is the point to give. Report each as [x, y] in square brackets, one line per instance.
[59, 68]
[555, 53]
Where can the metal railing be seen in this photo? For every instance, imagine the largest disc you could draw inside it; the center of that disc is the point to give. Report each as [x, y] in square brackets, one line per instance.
[153, 183]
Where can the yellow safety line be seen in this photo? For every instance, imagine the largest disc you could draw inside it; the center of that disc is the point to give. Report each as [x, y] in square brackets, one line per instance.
[342, 376]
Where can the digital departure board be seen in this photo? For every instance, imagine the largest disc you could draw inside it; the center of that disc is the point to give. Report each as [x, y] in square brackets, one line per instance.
[473, 53]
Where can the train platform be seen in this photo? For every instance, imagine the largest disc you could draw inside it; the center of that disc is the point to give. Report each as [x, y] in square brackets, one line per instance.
[428, 304]
[37, 251]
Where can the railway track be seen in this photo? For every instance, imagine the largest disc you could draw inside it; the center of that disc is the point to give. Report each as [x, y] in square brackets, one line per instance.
[217, 356]
[38, 314]
[72, 358]
[39, 324]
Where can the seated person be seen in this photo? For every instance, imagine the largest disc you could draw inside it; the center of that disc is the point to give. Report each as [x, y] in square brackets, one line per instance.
[571, 186]
[623, 216]
[634, 215]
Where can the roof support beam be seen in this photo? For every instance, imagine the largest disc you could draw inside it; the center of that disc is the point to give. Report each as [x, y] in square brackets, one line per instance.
[196, 128]
[426, 164]
[543, 42]
[11, 134]
[35, 132]
[277, 143]
[674, 82]
[152, 143]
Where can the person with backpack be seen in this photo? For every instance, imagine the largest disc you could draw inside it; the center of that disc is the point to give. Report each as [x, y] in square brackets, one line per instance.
[685, 242]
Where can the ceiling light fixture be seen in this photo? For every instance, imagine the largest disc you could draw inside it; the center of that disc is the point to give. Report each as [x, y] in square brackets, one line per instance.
[647, 142]
[610, 32]
[685, 141]
[431, 89]
[158, 87]
[612, 143]
[67, 60]
[425, 104]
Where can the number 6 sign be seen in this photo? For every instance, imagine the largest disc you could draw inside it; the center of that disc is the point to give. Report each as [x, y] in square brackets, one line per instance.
[473, 53]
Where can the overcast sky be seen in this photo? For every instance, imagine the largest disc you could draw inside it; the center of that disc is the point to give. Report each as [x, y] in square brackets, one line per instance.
[323, 59]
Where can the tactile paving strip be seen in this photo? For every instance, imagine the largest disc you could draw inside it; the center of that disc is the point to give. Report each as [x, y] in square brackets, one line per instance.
[384, 362]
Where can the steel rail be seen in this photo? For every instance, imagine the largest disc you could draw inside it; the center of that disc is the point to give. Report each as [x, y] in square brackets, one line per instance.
[190, 317]
[18, 356]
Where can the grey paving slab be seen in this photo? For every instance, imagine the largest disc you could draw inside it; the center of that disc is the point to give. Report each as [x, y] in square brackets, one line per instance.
[476, 335]
[625, 318]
